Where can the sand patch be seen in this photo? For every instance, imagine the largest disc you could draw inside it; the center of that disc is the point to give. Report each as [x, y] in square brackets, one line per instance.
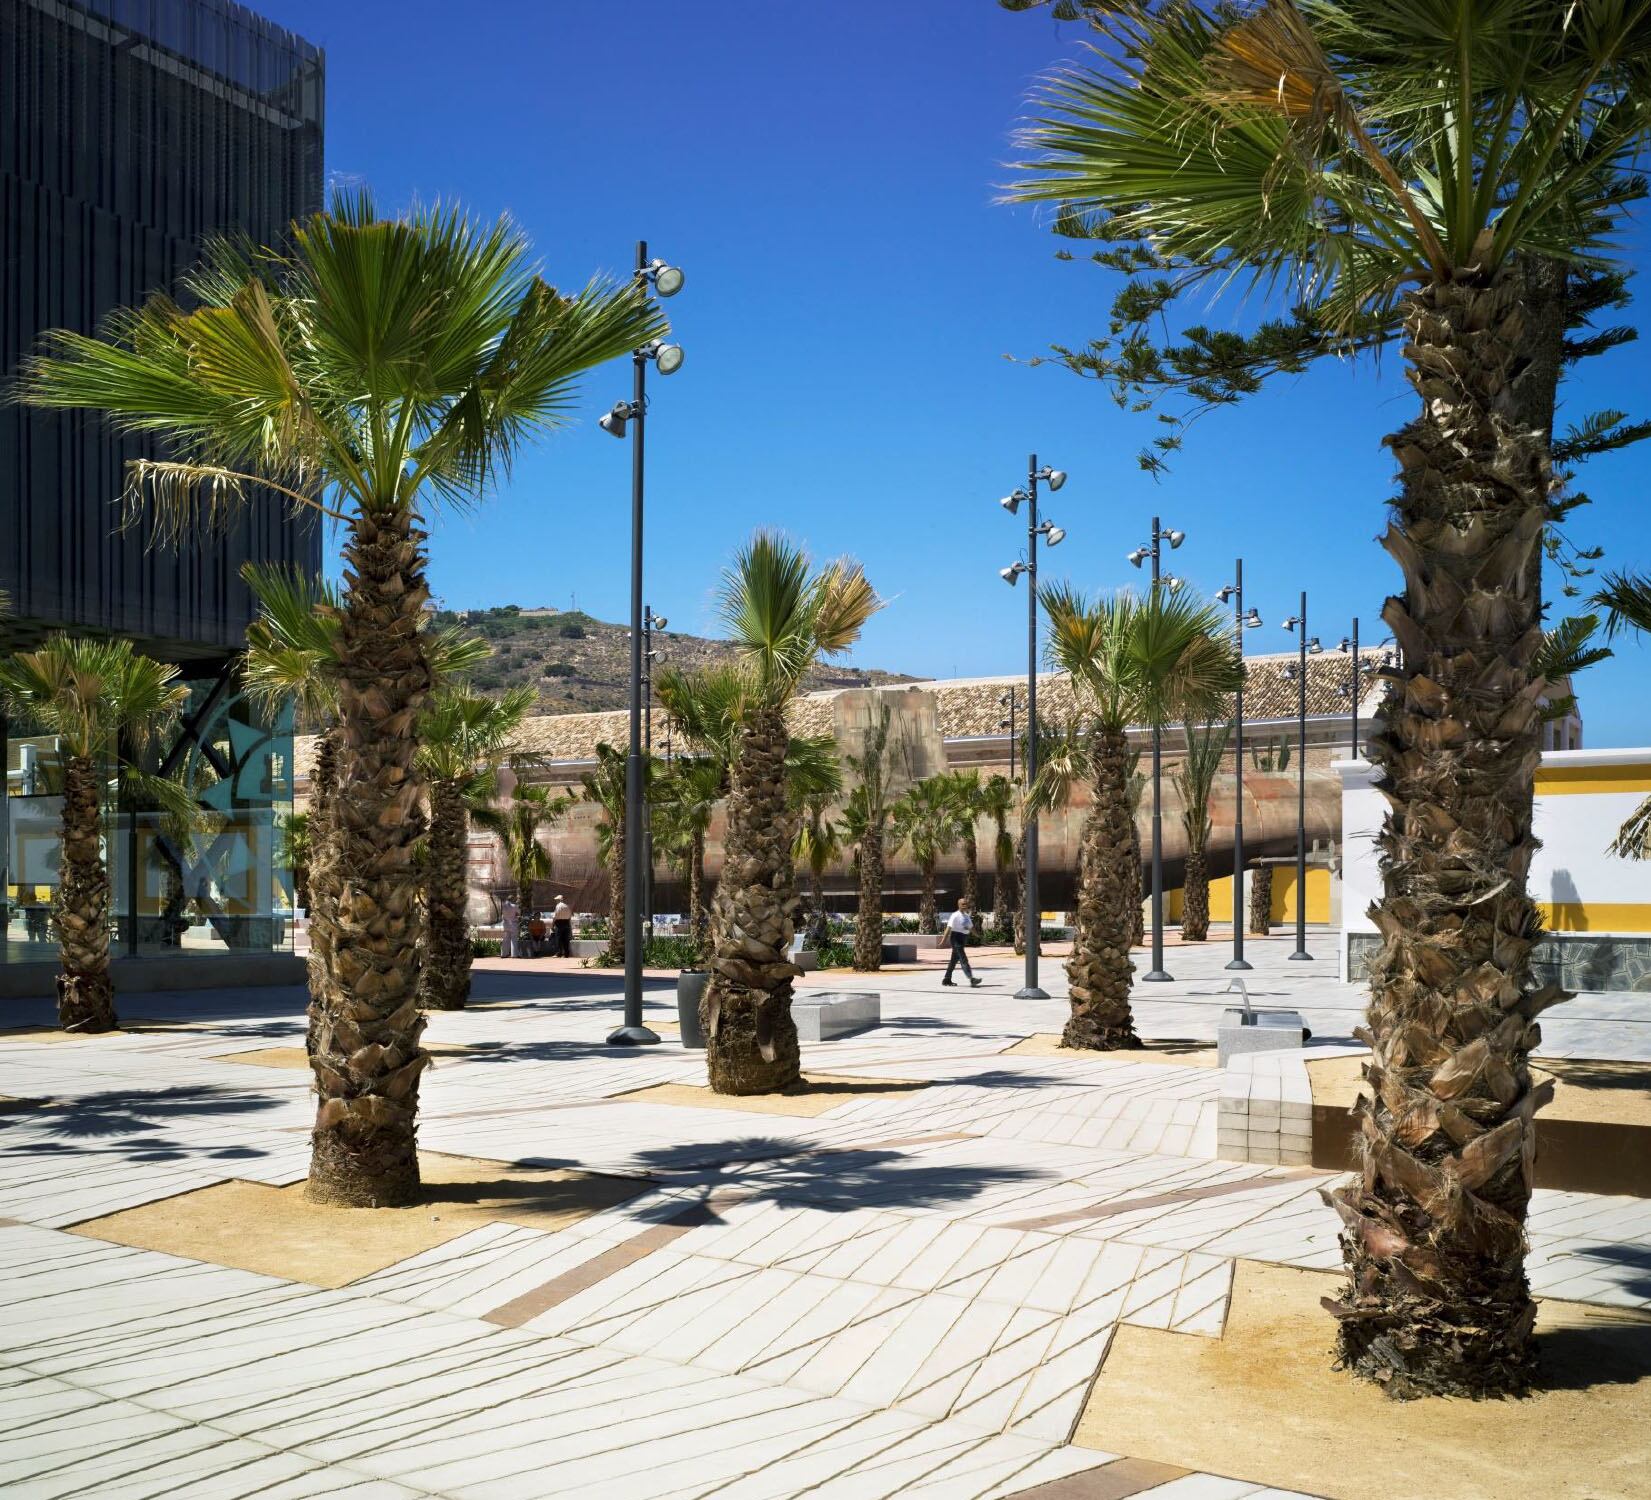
[277, 1231]
[1182, 1054]
[818, 1093]
[1607, 1091]
[1269, 1408]
[296, 1058]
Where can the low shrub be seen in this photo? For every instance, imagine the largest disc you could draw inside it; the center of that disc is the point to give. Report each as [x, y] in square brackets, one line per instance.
[484, 947]
[658, 953]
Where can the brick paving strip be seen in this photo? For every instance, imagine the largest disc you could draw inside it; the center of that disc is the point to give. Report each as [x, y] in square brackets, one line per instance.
[1162, 1200]
[1117, 1480]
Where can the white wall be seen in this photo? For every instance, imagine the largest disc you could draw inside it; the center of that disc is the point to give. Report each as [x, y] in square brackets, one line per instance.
[1574, 825]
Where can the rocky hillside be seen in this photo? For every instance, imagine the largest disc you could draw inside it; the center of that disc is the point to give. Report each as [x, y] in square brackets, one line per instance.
[580, 664]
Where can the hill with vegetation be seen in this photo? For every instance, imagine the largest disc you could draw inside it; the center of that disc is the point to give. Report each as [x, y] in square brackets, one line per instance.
[580, 664]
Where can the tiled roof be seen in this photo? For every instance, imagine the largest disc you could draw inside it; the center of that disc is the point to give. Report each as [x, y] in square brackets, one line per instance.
[968, 706]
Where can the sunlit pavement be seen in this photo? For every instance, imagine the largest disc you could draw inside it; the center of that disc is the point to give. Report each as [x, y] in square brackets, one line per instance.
[909, 1292]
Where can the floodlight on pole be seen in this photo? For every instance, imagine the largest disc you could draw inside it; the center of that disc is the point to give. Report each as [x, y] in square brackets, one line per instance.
[1011, 574]
[1011, 503]
[666, 280]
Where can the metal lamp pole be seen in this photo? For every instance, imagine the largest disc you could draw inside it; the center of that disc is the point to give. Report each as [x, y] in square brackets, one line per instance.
[666, 280]
[1051, 533]
[650, 623]
[1158, 974]
[1241, 622]
[1353, 647]
[1298, 623]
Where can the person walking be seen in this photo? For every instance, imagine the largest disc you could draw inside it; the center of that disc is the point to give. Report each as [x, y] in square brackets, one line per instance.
[958, 927]
[562, 918]
[510, 916]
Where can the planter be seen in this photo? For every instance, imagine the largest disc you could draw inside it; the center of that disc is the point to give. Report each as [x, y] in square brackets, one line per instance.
[690, 986]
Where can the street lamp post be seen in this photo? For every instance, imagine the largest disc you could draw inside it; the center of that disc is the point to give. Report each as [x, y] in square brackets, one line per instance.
[1241, 623]
[666, 281]
[1351, 646]
[1158, 974]
[1007, 700]
[1298, 623]
[1052, 534]
[650, 623]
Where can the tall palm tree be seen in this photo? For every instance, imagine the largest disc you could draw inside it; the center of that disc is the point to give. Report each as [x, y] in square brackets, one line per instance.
[532, 808]
[997, 801]
[377, 369]
[783, 616]
[1438, 166]
[1132, 661]
[294, 849]
[604, 784]
[1065, 760]
[865, 822]
[818, 845]
[1272, 757]
[101, 701]
[292, 657]
[968, 803]
[925, 822]
[686, 800]
[1195, 777]
[463, 737]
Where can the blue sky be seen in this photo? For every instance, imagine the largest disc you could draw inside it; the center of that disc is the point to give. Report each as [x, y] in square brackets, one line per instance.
[826, 175]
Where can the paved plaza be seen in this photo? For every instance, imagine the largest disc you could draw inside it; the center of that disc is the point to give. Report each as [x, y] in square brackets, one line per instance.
[909, 1291]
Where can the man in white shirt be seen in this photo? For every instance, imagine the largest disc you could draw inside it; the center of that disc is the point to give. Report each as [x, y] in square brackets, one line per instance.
[958, 927]
[563, 918]
[510, 920]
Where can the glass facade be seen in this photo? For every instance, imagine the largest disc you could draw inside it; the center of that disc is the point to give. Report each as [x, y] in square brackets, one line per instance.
[212, 882]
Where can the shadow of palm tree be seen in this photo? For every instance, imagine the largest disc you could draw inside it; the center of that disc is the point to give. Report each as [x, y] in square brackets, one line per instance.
[126, 1120]
[835, 1179]
[1579, 1357]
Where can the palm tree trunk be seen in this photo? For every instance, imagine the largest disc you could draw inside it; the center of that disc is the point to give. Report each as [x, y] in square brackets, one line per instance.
[1261, 900]
[868, 919]
[818, 928]
[971, 874]
[1004, 898]
[1195, 898]
[446, 977]
[615, 955]
[1020, 891]
[85, 991]
[750, 1038]
[367, 1058]
[1433, 1236]
[699, 921]
[925, 897]
[1099, 970]
[323, 873]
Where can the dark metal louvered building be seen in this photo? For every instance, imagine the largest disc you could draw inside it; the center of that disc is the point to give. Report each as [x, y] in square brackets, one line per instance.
[130, 130]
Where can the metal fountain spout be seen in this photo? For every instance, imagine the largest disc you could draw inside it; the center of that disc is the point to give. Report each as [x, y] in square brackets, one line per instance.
[1244, 994]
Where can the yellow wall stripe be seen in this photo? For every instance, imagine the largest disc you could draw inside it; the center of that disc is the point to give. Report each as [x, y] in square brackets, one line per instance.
[1597, 916]
[1570, 781]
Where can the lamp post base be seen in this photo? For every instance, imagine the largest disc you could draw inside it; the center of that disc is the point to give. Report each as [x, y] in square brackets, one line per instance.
[1157, 976]
[1301, 956]
[1031, 992]
[1239, 963]
[632, 1036]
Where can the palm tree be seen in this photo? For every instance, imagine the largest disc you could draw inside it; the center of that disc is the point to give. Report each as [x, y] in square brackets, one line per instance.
[517, 826]
[686, 802]
[997, 801]
[1132, 661]
[102, 702]
[1437, 166]
[818, 845]
[968, 803]
[1195, 777]
[925, 822]
[783, 617]
[1271, 757]
[463, 737]
[292, 657]
[865, 821]
[294, 848]
[377, 369]
[604, 784]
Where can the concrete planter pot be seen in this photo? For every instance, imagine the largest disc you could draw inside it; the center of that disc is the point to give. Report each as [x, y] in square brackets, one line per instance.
[690, 986]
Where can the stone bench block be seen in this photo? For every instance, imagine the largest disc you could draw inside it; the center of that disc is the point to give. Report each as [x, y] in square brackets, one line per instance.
[1273, 1031]
[823, 1017]
[902, 952]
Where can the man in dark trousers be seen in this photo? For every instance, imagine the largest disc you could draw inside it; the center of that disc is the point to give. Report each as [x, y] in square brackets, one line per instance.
[958, 927]
[562, 917]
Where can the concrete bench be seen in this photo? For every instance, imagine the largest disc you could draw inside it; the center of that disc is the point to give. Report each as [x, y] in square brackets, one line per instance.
[902, 952]
[1267, 1031]
[823, 1017]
